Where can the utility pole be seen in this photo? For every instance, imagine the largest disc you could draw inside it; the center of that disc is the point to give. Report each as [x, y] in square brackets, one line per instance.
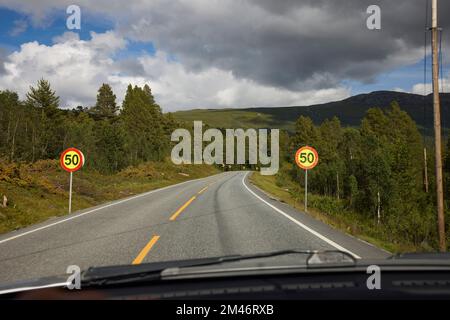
[437, 127]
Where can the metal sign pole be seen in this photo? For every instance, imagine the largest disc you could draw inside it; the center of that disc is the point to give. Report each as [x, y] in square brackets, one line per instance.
[70, 193]
[306, 190]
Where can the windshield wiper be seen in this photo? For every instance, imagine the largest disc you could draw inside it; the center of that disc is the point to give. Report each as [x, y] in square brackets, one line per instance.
[152, 271]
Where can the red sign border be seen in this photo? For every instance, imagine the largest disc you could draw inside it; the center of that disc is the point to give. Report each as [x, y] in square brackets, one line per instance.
[78, 167]
[313, 151]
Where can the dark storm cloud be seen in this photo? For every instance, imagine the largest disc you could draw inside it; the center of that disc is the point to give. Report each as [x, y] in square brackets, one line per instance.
[290, 44]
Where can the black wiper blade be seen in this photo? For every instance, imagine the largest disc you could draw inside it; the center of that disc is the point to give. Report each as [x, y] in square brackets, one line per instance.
[257, 256]
[97, 276]
[152, 271]
[316, 259]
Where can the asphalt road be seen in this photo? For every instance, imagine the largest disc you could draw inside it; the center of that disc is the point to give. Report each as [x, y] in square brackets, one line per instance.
[214, 216]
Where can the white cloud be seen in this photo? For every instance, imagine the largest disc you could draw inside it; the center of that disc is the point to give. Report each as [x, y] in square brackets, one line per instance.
[19, 27]
[444, 86]
[76, 69]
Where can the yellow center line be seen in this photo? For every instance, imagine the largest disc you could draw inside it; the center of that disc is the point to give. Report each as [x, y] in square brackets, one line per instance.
[141, 256]
[201, 191]
[145, 251]
[184, 206]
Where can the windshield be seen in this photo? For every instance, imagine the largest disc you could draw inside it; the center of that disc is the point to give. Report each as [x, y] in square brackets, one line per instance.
[169, 131]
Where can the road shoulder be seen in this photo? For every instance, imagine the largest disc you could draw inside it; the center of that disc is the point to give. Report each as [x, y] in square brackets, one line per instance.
[351, 243]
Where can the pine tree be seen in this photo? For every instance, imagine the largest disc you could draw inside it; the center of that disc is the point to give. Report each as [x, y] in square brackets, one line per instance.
[43, 97]
[105, 107]
[144, 124]
[48, 123]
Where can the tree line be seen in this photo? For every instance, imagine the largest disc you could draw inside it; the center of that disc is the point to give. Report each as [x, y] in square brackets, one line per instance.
[376, 169]
[111, 137]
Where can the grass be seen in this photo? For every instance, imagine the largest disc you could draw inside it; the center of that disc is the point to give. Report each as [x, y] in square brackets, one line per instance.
[39, 191]
[331, 212]
[232, 118]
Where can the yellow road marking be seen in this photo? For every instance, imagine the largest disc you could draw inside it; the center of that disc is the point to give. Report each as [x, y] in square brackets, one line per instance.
[184, 206]
[145, 251]
[201, 191]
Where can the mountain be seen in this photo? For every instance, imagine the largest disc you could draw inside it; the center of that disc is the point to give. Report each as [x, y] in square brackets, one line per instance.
[350, 111]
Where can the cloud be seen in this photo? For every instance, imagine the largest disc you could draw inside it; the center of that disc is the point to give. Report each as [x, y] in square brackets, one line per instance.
[178, 88]
[299, 45]
[76, 69]
[20, 26]
[397, 89]
[236, 52]
[3, 56]
[420, 88]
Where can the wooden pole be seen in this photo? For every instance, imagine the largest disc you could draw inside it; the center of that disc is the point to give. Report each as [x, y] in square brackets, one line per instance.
[437, 128]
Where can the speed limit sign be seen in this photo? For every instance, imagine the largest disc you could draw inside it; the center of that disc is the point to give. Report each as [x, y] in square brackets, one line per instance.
[71, 160]
[306, 158]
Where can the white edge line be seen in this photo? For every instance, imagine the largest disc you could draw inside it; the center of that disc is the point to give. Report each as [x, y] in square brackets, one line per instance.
[20, 289]
[97, 209]
[320, 236]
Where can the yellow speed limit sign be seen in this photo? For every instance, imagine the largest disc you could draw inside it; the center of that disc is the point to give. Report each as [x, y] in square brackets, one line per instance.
[71, 160]
[306, 157]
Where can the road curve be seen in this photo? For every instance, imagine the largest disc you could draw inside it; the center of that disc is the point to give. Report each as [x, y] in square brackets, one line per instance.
[214, 216]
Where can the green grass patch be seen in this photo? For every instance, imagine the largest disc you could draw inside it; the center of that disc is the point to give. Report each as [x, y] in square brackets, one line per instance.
[232, 118]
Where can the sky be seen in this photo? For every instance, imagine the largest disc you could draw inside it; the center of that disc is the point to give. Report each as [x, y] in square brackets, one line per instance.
[218, 54]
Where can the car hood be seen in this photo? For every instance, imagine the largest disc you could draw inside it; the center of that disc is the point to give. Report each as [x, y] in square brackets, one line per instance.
[279, 264]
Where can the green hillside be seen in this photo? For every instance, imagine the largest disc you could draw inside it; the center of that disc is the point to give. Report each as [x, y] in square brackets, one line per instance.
[231, 118]
[350, 111]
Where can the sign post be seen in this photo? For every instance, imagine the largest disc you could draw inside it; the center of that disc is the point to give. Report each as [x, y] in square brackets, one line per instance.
[306, 158]
[70, 192]
[71, 160]
[306, 190]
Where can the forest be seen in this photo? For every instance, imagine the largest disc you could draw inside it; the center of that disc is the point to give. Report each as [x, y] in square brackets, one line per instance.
[111, 137]
[374, 170]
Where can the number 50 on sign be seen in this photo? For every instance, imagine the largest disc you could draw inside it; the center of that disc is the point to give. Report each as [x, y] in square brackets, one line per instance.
[71, 159]
[306, 157]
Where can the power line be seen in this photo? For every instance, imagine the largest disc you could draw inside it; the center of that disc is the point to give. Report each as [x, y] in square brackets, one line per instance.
[441, 72]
